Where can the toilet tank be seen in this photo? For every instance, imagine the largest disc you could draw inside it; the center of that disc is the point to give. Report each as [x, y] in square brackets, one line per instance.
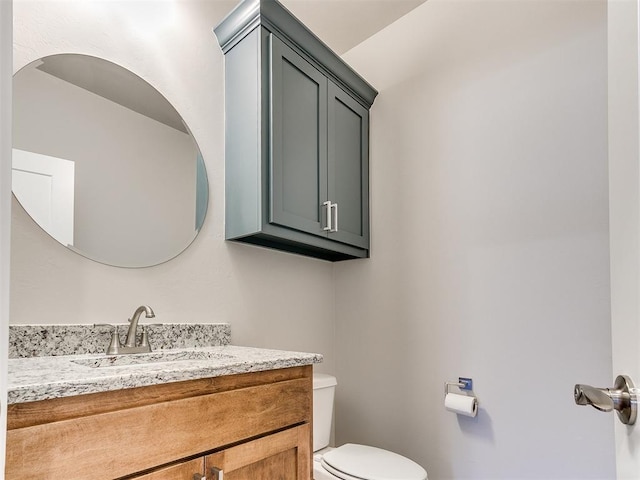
[324, 387]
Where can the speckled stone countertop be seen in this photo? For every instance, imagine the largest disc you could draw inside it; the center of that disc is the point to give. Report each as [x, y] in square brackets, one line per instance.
[59, 374]
[41, 378]
[48, 340]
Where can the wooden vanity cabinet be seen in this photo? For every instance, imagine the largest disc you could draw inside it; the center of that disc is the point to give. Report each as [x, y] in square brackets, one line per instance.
[188, 470]
[279, 455]
[276, 456]
[251, 426]
[297, 137]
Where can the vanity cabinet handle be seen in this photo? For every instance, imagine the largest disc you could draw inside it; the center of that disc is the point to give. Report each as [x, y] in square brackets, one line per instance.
[198, 476]
[217, 474]
[335, 217]
[332, 216]
[328, 205]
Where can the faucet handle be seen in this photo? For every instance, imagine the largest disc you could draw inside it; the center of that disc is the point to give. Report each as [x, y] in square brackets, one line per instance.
[144, 342]
[114, 344]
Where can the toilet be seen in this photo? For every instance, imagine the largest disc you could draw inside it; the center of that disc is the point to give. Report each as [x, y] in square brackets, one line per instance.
[351, 461]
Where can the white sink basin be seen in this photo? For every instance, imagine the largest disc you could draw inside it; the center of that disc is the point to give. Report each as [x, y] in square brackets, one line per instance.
[150, 358]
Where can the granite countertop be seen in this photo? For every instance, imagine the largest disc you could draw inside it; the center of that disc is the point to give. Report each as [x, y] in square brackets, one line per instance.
[42, 378]
[56, 361]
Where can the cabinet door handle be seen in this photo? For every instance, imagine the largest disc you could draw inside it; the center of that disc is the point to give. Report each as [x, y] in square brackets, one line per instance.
[217, 474]
[198, 476]
[328, 227]
[335, 217]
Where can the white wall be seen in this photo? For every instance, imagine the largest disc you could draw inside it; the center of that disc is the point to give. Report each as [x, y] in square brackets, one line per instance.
[624, 207]
[489, 242]
[5, 205]
[271, 299]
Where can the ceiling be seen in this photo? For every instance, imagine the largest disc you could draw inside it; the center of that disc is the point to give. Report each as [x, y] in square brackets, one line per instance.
[343, 24]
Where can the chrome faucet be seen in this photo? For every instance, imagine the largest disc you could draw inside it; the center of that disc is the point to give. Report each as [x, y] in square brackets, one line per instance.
[130, 342]
[117, 348]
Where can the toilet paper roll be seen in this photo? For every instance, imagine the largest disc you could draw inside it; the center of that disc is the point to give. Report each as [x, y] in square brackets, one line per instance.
[461, 404]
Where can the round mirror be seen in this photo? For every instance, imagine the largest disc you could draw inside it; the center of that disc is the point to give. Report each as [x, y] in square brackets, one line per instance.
[104, 163]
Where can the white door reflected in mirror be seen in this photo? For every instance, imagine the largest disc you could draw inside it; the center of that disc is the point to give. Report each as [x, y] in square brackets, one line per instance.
[44, 186]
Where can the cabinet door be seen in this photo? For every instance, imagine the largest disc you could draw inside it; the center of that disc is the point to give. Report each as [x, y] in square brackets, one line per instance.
[191, 470]
[348, 160]
[284, 455]
[298, 132]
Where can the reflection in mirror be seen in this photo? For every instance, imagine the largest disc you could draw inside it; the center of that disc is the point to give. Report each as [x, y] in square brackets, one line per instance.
[103, 163]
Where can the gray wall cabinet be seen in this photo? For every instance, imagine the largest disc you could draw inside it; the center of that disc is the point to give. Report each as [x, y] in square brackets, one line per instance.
[297, 137]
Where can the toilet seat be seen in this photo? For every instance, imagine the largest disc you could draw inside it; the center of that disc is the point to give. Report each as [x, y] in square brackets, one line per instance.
[362, 462]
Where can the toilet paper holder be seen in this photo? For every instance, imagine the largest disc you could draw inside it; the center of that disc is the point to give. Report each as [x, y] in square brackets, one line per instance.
[463, 403]
[462, 384]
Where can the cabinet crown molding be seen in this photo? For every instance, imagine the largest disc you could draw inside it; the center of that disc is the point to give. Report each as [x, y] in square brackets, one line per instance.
[272, 15]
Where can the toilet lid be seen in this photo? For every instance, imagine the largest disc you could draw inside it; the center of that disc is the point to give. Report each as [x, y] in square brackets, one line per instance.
[370, 463]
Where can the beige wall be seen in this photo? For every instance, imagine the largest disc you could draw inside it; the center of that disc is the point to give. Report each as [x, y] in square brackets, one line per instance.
[490, 242]
[271, 299]
[5, 205]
